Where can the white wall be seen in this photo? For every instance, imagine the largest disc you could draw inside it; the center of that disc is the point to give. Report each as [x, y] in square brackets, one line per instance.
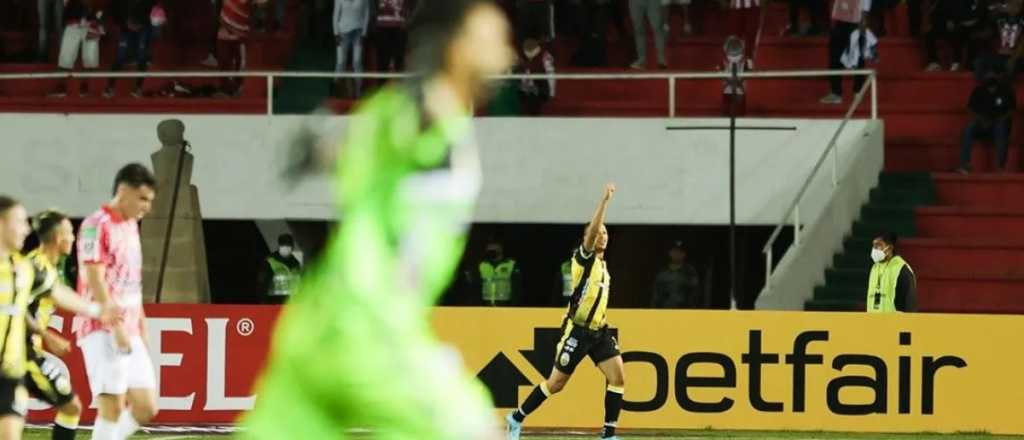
[536, 170]
[803, 267]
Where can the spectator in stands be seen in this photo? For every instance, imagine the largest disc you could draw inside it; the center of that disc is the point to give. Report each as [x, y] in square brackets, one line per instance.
[280, 275]
[351, 23]
[82, 34]
[1009, 29]
[533, 93]
[136, 32]
[816, 11]
[211, 58]
[945, 19]
[744, 20]
[678, 286]
[51, 15]
[499, 277]
[848, 16]
[892, 285]
[235, 24]
[591, 29]
[684, 12]
[534, 19]
[639, 10]
[390, 35]
[991, 106]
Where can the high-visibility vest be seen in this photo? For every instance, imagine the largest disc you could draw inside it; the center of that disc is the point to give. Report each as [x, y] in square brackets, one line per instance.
[496, 281]
[285, 278]
[882, 285]
[567, 279]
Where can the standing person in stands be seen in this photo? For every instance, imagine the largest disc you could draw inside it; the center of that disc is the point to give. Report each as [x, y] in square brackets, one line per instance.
[351, 23]
[82, 33]
[684, 12]
[954, 21]
[1009, 30]
[847, 17]
[136, 32]
[390, 36]
[235, 24]
[117, 362]
[744, 21]
[649, 11]
[892, 285]
[51, 15]
[533, 93]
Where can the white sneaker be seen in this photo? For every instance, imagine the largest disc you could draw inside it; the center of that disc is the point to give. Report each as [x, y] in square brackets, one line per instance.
[832, 99]
[932, 67]
[209, 61]
[637, 65]
[955, 67]
[109, 93]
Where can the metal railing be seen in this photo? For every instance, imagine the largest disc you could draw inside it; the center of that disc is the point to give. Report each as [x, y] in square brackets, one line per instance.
[793, 212]
[670, 77]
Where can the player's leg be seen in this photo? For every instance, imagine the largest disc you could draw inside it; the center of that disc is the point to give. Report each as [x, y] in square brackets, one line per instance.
[105, 368]
[13, 407]
[608, 359]
[108, 411]
[65, 423]
[11, 427]
[615, 375]
[141, 393]
[571, 349]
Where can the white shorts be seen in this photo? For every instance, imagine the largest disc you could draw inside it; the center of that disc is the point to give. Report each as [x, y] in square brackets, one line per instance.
[75, 38]
[111, 372]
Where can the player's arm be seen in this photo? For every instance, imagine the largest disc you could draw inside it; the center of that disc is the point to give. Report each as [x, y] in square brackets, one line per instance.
[67, 299]
[95, 278]
[594, 228]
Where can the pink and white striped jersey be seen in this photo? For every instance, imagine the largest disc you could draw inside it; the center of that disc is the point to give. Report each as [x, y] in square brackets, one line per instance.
[744, 4]
[113, 242]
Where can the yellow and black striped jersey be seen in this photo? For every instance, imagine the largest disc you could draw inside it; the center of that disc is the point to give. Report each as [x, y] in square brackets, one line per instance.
[590, 286]
[40, 304]
[20, 280]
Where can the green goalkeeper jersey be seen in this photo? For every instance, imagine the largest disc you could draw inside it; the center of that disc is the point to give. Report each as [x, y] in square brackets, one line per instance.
[354, 348]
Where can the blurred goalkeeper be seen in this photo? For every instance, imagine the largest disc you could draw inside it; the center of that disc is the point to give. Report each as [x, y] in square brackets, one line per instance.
[354, 348]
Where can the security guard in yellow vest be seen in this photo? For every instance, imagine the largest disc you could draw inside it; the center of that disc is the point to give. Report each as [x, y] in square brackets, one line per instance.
[499, 277]
[281, 273]
[892, 284]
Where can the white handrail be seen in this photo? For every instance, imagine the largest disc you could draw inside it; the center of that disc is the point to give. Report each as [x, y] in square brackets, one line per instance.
[672, 78]
[386, 75]
[794, 208]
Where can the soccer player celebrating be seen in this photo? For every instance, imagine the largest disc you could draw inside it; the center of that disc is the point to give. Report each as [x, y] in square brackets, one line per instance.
[21, 281]
[584, 329]
[353, 348]
[117, 362]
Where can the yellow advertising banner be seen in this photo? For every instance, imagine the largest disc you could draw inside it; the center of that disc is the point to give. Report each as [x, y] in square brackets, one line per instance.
[762, 370]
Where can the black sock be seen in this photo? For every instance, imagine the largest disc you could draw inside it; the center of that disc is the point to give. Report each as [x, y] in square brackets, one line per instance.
[62, 433]
[537, 397]
[612, 407]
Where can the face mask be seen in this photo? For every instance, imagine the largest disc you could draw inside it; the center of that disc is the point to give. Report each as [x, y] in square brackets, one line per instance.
[877, 255]
[285, 251]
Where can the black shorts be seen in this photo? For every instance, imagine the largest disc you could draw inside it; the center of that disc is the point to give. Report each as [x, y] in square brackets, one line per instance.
[578, 342]
[47, 380]
[13, 398]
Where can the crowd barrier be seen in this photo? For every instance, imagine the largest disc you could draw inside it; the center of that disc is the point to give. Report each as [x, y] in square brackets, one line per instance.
[684, 369]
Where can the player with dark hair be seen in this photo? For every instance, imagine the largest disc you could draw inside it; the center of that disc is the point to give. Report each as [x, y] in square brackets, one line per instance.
[584, 329]
[117, 363]
[353, 348]
[45, 379]
[22, 281]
